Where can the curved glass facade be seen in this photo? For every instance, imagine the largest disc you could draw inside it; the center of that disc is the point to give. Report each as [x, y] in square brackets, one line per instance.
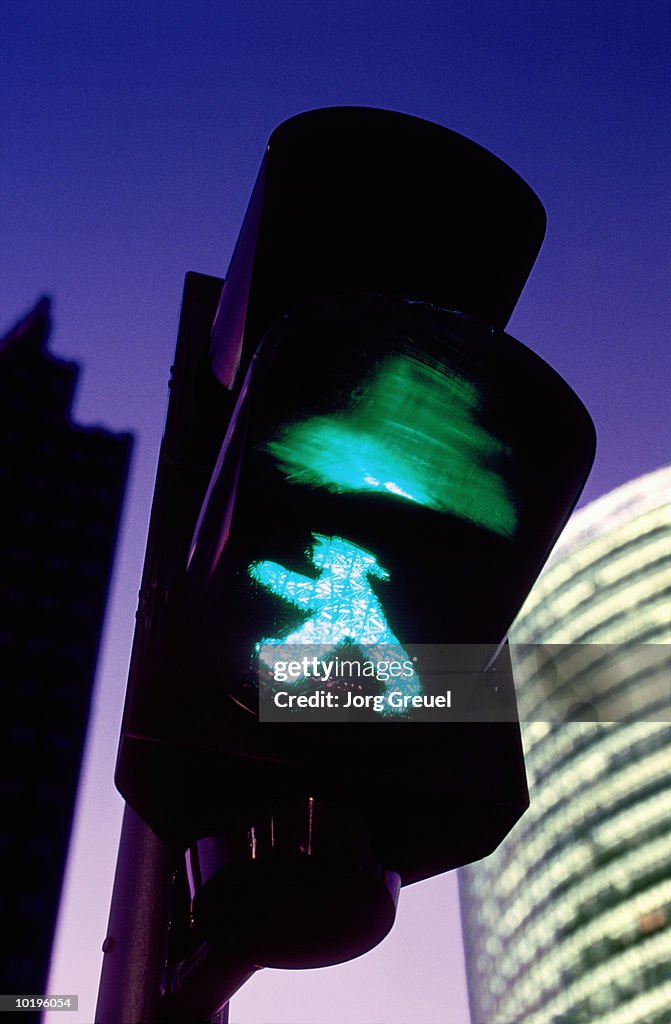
[569, 921]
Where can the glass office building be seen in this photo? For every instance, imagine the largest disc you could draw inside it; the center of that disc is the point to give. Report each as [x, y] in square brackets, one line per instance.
[569, 921]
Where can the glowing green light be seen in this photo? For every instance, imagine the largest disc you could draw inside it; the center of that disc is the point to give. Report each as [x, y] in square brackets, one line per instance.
[343, 607]
[412, 433]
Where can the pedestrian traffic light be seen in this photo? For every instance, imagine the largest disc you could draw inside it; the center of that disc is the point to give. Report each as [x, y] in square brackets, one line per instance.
[321, 704]
[398, 473]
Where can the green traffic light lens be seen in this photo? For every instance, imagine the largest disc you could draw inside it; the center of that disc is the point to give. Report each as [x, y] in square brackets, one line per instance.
[412, 432]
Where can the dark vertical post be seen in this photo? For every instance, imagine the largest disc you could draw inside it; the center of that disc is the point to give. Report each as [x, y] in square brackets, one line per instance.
[134, 947]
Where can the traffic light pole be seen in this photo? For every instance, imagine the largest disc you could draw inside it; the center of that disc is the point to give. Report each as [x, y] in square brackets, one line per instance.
[134, 947]
[134, 971]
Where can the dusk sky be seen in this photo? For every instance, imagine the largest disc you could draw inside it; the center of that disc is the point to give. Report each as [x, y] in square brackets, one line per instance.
[132, 134]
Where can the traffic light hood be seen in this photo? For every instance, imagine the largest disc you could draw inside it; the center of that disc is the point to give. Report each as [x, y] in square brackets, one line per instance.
[354, 199]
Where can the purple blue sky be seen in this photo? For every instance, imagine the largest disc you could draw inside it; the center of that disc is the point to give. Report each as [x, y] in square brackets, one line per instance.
[132, 133]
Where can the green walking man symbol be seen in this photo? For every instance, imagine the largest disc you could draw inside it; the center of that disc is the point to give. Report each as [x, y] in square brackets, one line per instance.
[344, 606]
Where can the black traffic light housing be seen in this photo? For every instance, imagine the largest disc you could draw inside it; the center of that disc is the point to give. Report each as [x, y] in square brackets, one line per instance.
[359, 396]
[350, 199]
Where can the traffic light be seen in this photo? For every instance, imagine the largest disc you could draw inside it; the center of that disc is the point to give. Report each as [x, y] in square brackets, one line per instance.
[321, 704]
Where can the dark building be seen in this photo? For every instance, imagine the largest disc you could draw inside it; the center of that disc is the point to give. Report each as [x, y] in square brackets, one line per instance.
[61, 489]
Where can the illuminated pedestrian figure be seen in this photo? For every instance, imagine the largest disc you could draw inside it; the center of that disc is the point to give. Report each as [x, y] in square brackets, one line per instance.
[344, 607]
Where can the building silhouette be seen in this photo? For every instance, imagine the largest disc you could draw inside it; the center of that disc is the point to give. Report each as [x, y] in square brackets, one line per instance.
[62, 487]
[569, 921]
